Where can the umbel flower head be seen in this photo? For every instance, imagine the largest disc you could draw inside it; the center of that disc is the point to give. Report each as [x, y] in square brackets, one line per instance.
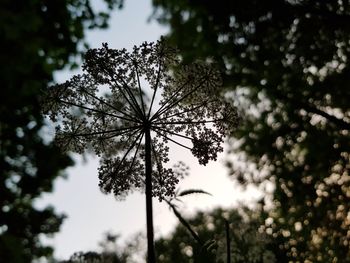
[123, 96]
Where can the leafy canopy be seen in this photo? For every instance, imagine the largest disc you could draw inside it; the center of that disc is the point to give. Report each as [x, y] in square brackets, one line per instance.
[37, 38]
[286, 64]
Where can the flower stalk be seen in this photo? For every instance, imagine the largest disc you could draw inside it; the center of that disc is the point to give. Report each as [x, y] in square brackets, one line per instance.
[151, 257]
[107, 110]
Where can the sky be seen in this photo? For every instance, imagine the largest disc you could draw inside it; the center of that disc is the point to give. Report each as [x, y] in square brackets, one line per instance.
[90, 213]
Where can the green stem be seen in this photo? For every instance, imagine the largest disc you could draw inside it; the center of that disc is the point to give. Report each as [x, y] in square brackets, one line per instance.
[151, 257]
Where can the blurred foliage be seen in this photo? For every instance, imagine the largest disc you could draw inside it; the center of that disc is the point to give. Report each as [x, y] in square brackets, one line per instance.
[37, 37]
[285, 63]
[111, 253]
[248, 240]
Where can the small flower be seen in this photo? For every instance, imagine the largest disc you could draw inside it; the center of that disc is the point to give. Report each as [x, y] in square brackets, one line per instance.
[122, 96]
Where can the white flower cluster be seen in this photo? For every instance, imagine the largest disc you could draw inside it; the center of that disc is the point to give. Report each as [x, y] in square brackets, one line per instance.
[121, 96]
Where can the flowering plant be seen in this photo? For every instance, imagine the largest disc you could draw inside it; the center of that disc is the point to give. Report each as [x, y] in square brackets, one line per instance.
[127, 107]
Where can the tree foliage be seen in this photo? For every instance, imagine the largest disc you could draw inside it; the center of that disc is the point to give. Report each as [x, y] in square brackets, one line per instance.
[111, 253]
[248, 241]
[37, 38]
[286, 64]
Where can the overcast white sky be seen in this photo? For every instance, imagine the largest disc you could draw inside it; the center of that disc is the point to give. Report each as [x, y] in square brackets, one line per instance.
[91, 213]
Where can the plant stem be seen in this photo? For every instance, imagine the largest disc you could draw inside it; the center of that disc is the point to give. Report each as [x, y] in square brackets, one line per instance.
[228, 241]
[151, 257]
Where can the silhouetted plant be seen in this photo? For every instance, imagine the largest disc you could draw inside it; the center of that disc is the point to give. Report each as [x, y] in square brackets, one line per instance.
[222, 236]
[171, 202]
[107, 110]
